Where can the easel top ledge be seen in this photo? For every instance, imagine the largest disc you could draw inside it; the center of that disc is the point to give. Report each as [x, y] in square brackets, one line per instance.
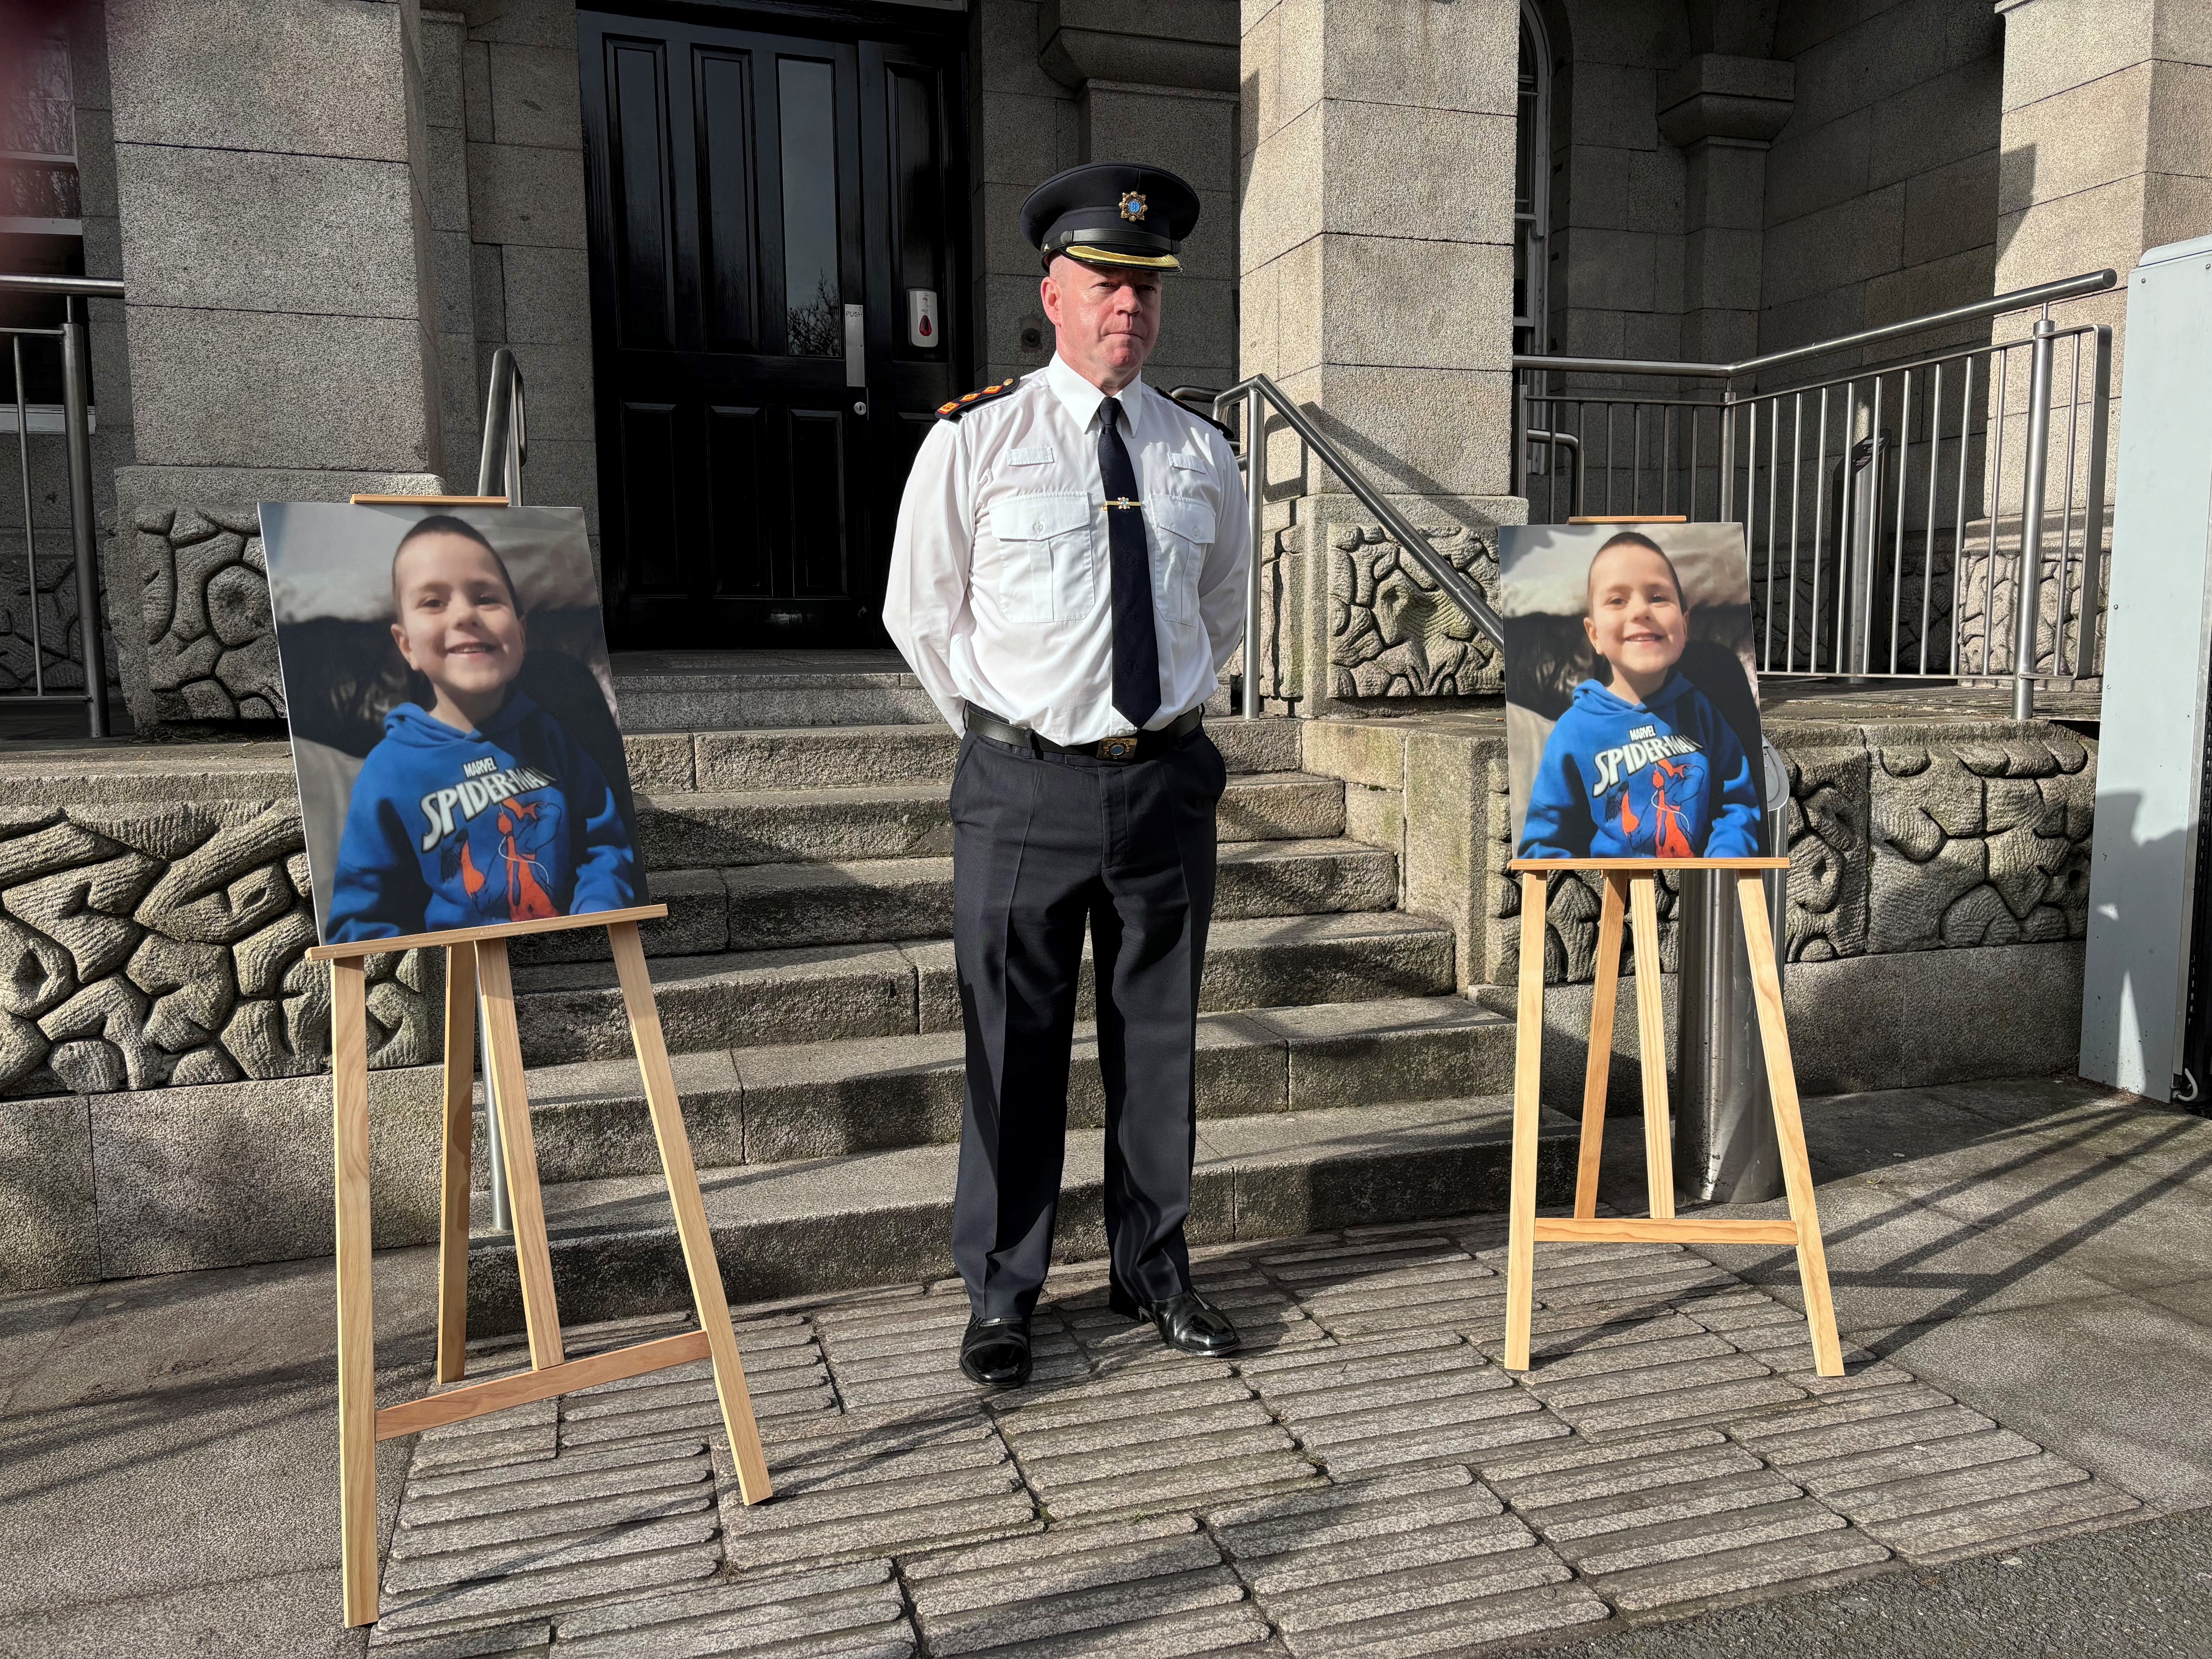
[377, 947]
[1635, 867]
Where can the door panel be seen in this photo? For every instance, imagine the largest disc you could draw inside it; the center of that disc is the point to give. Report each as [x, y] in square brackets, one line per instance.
[746, 189]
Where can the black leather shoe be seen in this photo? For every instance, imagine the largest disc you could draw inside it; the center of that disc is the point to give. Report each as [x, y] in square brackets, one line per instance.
[996, 1351]
[1187, 1322]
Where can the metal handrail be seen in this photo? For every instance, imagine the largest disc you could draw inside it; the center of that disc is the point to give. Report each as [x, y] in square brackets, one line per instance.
[87, 288]
[506, 431]
[2020, 299]
[1257, 393]
[2040, 295]
[77, 427]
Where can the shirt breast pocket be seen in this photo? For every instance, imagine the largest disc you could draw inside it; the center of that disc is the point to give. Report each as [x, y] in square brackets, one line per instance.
[1045, 562]
[1183, 529]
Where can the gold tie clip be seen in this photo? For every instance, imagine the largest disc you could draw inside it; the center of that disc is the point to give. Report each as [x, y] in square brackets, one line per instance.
[1122, 500]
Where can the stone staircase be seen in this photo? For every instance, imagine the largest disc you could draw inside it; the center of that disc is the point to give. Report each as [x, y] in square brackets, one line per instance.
[807, 990]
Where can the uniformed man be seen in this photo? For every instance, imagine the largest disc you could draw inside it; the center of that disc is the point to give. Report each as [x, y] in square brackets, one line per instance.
[1067, 580]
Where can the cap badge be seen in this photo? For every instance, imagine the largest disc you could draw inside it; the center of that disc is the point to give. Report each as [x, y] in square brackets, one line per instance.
[1132, 206]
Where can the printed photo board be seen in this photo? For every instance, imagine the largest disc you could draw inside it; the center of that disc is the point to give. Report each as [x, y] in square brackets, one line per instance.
[1631, 703]
[452, 716]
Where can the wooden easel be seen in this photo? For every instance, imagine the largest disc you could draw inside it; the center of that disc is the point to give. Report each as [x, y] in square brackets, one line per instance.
[477, 955]
[1631, 885]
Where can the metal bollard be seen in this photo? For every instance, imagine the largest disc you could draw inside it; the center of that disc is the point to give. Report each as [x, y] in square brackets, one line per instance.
[1724, 1146]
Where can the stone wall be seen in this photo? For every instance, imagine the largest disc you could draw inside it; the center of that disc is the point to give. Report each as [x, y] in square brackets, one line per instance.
[152, 932]
[1904, 836]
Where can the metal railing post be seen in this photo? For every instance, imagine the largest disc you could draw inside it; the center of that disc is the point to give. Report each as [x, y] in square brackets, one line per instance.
[2028, 589]
[1255, 504]
[76, 381]
[2087, 659]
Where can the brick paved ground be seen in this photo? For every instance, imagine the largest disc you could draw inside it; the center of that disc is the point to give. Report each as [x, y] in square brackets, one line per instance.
[1363, 1479]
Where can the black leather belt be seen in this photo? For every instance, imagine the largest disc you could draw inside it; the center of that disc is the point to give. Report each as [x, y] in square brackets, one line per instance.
[1130, 746]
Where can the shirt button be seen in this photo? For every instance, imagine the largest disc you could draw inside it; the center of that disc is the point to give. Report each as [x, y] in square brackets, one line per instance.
[1037, 526]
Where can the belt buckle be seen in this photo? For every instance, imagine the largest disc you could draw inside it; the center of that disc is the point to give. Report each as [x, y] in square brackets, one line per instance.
[1118, 749]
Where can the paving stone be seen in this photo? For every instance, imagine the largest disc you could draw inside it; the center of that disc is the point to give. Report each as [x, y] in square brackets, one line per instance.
[490, 1601]
[813, 1506]
[1814, 1557]
[1455, 1627]
[1858, 1470]
[1438, 1409]
[1320, 1564]
[1457, 1313]
[723, 1595]
[1340, 1514]
[1270, 1364]
[1412, 1393]
[547, 1553]
[1166, 1636]
[1560, 1333]
[1655, 1505]
[1582, 1471]
[1601, 1356]
[1344, 1365]
[1702, 1402]
[501, 1443]
[1624, 1291]
[1463, 1444]
[627, 1509]
[1854, 1407]
[1190, 1485]
[1428, 1585]
[920, 1524]
[973, 1629]
[689, 1420]
[1574, 1456]
[1044, 1443]
[1004, 1553]
[1077, 1564]
[1948, 1533]
[711, 1621]
[501, 1641]
[1141, 1453]
[1956, 1488]
[1612, 1374]
[1114, 1399]
[562, 1486]
[1697, 1535]
[484, 1485]
[1864, 1434]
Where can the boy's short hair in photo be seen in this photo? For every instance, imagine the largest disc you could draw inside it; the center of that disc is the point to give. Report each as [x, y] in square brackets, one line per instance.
[1634, 538]
[444, 524]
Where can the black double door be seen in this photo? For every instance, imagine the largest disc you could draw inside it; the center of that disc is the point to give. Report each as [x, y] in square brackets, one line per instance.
[776, 227]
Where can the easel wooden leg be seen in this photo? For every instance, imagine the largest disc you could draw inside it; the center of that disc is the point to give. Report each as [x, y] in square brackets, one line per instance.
[1651, 1038]
[1789, 1127]
[1527, 1088]
[533, 1258]
[1598, 1072]
[453, 1214]
[355, 1298]
[691, 1226]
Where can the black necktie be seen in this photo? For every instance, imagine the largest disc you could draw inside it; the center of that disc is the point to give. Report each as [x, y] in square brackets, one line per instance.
[1136, 649]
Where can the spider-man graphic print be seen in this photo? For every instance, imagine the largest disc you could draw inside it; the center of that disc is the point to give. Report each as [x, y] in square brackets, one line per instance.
[452, 828]
[1664, 779]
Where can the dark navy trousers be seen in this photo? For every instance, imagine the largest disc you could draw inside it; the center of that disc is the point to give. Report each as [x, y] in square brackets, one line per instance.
[1044, 848]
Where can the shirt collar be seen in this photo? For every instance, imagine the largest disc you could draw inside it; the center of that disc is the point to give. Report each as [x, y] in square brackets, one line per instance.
[1081, 398]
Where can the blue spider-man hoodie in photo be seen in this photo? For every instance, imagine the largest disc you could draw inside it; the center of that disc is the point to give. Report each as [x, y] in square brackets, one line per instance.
[449, 829]
[1663, 779]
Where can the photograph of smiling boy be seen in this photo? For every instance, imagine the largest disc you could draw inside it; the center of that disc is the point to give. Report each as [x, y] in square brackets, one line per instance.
[1632, 702]
[454, 725]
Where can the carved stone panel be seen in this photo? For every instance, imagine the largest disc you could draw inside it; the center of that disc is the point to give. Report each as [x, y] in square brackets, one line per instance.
[210, 650]
[1392, 632]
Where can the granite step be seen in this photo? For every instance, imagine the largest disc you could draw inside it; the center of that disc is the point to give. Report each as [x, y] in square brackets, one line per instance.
[776, 1104]
[733, 1000]
[845, 756]
[694, 691]
[766, 907]
[873, 1218]
[702, 828]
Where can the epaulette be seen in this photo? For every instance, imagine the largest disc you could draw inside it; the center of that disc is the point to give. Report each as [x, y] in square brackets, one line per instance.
[968, 400]
[1192, 410]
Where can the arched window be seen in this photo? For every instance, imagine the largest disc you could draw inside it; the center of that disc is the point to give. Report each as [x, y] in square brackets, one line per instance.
[1532, 192]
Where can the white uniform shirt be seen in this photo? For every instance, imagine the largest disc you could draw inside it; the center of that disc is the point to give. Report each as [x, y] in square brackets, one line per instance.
[1001, 584]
